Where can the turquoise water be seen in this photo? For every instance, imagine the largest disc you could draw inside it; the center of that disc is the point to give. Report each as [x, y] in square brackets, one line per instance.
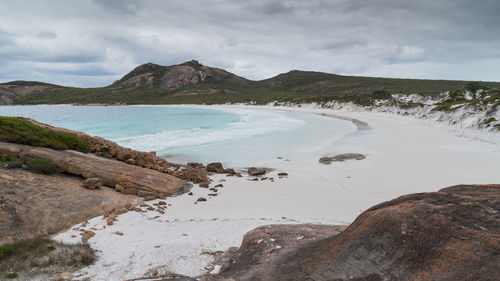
[236, 137]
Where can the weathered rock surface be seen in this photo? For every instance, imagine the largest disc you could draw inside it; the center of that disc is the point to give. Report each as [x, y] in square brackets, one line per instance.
[108, 149]
[341, 158]
[256, 171]
[33, 205]
[111, 172]
[453, 234]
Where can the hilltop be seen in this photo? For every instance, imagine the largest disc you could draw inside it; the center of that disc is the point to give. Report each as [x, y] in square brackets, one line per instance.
[194, 83]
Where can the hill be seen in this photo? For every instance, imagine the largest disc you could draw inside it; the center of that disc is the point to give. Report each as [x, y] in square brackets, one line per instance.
[192, 82]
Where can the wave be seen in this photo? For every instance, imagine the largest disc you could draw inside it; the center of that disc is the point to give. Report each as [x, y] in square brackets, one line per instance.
[251, 123]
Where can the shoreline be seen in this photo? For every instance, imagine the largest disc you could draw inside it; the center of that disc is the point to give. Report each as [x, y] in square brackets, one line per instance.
[402, 157]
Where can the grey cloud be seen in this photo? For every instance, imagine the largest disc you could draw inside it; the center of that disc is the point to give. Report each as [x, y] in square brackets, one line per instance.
[47, 35]
[125, 7]
[256, 39]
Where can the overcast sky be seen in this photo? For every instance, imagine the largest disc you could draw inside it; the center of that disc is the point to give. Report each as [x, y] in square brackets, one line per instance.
[94, 42]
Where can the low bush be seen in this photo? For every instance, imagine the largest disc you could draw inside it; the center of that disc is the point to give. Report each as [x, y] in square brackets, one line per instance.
[41, 166]
[17, 130]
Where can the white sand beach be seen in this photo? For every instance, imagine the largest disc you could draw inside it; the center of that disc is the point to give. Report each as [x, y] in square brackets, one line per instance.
[403, 156]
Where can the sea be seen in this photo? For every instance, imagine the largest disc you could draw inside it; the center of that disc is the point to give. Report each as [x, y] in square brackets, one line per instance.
[237, 137]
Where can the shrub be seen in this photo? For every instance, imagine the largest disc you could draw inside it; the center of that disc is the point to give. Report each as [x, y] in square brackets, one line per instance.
[5, 251]
[490, 120]
[4, 158]
[17, 130]
[42, 166]
[381, 94]
[12, 275]
[473, 86]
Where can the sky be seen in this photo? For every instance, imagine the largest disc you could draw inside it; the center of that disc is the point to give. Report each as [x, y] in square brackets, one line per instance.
[91, 43]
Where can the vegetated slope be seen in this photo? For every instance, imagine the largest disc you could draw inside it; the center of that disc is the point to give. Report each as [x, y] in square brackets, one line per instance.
[11, 91]
[192, 82]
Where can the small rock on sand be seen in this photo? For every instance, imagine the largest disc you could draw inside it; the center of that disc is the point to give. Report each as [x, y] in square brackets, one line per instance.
[201, 199]
[215, 167]
[256, 171]
[86, 235]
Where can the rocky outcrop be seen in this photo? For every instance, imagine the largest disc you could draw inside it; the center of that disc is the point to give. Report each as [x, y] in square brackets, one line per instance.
[452, 234]
[108, 149]
[128, 179]
[341, 158]
[175, 77]
[33, 205]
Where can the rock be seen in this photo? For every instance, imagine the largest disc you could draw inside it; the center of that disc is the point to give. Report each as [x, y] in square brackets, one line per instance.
[92, 183]
[110, 172]
[162, 203]
[132, 191]
[282, 174]
[106, 148]
[190, 193]
[341, 158]
[149, 198]
[143, 193]
[451, 234]
[108, 208]
[119, 188]
[120, 211]
[201, 199]
[254, 179]
[54, 204]
[110, 222]
[129, 206]
[215, 167]
[230, 171]
[65, 276]
[219, 185]
[204, 184]
[119, 233]
[86, 235]
[256, 171]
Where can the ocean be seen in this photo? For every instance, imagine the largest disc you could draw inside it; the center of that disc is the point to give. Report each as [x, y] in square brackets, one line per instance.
[237, 137]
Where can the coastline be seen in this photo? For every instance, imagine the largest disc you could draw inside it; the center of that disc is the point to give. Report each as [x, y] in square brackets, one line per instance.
[396, 153]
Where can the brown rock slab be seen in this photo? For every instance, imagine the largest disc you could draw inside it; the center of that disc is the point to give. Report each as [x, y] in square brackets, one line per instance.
[110, 172]
[33, 205]
[452, 234]
[341, 158]
[201, 199]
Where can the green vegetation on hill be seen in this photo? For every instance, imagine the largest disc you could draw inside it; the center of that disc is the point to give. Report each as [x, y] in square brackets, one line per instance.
[208, 85]
[17, 130]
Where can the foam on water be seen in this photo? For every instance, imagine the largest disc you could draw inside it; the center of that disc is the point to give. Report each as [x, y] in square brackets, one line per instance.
[251, 123]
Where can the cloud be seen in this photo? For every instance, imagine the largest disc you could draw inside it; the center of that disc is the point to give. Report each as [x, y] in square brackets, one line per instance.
[94, 42]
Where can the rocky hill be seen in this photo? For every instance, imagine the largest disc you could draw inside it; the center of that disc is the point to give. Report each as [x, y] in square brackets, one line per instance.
[173, 77]
[194, 83]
